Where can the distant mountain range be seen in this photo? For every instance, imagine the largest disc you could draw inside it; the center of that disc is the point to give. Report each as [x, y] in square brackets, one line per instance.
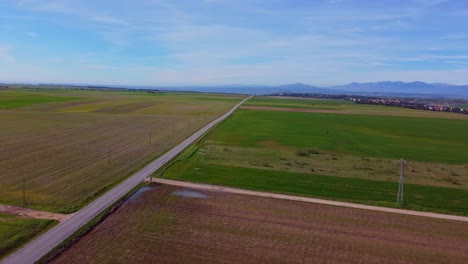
[387, 88]
[422, 88]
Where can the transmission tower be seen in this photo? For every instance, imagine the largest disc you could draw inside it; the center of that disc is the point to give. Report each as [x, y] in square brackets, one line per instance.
[24, 189]
[400, 185]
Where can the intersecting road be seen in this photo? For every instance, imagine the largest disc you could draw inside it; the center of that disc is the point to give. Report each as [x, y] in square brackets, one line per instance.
[35, 250]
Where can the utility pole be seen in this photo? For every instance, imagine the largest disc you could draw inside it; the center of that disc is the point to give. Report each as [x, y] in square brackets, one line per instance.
[400, 185]
[24, 189]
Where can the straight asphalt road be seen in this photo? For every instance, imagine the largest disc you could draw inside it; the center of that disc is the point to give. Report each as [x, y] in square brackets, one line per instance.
[39, 247]
[217, 188]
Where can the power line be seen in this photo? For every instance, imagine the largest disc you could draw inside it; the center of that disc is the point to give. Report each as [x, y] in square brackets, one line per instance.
[400, 185]
[24, 189]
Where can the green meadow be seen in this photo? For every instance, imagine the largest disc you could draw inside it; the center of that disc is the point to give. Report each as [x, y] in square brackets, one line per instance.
[15, 231]
[419, 139]
[346, 157]
[380, 193]
[10, 100]
[299, 103]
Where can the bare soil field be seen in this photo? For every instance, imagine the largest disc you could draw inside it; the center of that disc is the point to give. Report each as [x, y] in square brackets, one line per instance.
[166, 224]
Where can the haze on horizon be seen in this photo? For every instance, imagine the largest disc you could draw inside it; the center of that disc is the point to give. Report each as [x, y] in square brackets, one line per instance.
[217, 42]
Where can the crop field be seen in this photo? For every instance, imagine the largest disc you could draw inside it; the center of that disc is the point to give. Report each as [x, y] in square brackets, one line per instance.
[364, 191]
[66, 147]
[420, 139]
[165, 224]
[340, 106]
[10, 100]
[15, 230]
[351, 157]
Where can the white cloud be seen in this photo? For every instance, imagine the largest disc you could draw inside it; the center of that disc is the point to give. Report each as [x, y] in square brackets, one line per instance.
[5, 54]
[430, 2]
[108, 19]
[99, 67]
[55, 59]
[444, 57]
[221, 41]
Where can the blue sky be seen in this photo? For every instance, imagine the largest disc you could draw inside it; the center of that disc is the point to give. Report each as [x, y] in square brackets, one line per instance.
[213, 42]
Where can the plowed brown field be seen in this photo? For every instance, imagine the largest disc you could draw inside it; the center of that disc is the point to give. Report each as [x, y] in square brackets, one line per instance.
[166, 224]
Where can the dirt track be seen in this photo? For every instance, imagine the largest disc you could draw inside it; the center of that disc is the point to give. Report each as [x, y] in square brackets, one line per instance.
[217, 188]
[26, 212]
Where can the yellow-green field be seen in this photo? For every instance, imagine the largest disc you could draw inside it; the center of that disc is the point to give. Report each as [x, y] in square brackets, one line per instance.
[69, 146]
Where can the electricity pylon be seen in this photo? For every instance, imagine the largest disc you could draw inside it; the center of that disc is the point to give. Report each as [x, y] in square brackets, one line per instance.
[400, 186]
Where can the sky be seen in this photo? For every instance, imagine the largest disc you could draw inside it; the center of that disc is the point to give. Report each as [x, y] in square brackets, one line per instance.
[225, 42]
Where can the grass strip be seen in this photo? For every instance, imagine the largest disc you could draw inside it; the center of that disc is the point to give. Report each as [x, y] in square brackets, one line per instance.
[16, 231]
[363, 191]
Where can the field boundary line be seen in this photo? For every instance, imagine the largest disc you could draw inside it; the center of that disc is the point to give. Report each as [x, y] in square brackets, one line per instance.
[218, 188]
[39, 247]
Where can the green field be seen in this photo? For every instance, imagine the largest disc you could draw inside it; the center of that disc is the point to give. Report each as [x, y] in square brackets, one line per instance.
[300, 103]
[9, 100]
[70, 146]
[15, 231]
[345, 107]
[461, 106]
[419, 139]
[346, 157]
[381, 193]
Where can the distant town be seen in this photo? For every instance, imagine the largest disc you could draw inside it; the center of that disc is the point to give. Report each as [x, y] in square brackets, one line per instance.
[441, 105]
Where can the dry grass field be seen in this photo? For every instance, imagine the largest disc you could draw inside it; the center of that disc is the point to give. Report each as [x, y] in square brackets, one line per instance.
[165, 224]
[70, 146]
